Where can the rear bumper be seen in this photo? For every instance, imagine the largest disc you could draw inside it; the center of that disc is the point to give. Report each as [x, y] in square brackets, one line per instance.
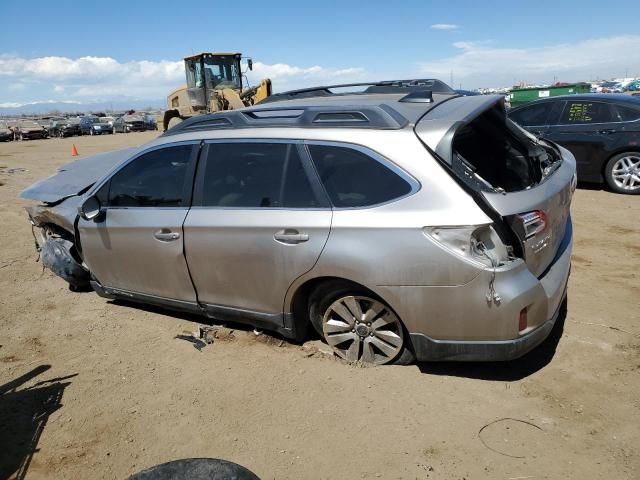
[428, 349]
[543, 297]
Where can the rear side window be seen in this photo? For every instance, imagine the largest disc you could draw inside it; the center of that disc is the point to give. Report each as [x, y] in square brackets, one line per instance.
[256, 175]
[587, 112]
[533, 115]
[627, 114]
[154, 179]
[355, 179]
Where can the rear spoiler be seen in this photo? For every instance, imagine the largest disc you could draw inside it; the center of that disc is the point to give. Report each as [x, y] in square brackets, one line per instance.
[439, 125]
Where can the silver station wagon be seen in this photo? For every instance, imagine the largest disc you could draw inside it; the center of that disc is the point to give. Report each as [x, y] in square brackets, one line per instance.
[400, 221]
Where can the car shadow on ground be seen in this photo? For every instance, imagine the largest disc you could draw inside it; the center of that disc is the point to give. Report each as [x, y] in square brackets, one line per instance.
[511, 371]
[23, 416]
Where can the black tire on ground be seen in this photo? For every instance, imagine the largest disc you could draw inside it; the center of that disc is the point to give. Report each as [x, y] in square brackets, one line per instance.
[327, 293]
[608, 173]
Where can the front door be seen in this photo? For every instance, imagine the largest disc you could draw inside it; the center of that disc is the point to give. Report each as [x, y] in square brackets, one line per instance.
[259, 220]
[136, 244]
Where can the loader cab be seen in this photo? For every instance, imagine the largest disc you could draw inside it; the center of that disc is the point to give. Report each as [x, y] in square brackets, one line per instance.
[207, 72]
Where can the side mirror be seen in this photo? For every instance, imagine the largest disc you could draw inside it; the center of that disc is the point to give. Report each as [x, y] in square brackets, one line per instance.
[250, 63]
[90, 209]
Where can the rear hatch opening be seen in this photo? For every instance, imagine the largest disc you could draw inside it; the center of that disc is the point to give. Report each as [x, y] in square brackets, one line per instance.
[520, 181]
[496, 155]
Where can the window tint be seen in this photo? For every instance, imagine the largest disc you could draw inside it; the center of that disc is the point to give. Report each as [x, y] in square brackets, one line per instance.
[627, 114]
[534, 115]
[155, 179]
[256, 175]
[587, 112]
[354, 179]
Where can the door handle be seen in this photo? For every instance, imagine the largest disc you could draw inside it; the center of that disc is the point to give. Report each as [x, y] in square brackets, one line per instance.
[607, 131]
[290, 236]
[166, 235]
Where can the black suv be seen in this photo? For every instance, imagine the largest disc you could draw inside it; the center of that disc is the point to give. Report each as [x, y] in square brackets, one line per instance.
[601, 130]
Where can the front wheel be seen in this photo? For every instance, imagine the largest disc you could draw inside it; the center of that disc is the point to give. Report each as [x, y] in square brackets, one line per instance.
[622, 173]
[360, 327]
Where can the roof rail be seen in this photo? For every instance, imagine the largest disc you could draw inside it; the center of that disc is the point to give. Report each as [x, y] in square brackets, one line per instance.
[360, 116]
[388, 86]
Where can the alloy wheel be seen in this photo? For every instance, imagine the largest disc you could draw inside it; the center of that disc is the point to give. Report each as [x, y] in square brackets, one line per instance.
[362, 329]
[626, 173]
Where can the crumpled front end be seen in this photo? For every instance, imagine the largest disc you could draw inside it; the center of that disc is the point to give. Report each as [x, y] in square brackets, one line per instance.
[54, 235]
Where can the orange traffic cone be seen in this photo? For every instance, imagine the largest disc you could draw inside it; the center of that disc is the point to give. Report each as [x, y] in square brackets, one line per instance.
[74, 150]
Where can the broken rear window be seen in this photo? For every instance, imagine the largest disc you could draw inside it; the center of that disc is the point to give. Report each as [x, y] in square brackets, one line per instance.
[498, 156]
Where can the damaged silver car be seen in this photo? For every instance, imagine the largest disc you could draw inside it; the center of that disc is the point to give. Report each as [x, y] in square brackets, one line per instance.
[401, 221]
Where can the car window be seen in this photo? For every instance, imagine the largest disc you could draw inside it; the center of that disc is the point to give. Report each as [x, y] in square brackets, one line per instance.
[355, 179]
[584, 112]
[627, 114]
[256, 175]
[532, 115]
[154, 179]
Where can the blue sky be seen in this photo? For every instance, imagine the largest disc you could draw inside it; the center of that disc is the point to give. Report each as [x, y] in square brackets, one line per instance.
[88, 51]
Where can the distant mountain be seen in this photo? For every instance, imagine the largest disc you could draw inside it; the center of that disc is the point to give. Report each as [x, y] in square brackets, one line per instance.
[42, 108]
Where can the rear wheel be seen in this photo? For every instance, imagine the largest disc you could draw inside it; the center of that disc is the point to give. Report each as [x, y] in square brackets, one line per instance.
[358, 326]
[622, 173]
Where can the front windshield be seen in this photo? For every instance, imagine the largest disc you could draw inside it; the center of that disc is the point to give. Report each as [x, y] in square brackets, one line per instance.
[29, 123]
[222, 72]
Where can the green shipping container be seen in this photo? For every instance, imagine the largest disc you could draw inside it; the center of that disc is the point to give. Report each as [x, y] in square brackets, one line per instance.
[519, 96]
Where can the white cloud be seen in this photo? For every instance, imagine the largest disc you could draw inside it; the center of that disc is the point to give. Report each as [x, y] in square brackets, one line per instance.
[481, 64]
[288, 77]
[445, 26]
[98, 78]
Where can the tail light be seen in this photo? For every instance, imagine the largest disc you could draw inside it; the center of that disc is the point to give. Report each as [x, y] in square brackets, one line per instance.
[479, 244]
[532, 223]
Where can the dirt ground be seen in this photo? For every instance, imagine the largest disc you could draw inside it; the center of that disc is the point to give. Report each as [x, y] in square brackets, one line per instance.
[96, 389]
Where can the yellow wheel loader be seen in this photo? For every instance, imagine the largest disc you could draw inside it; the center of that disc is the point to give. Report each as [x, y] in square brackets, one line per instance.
[214, 83]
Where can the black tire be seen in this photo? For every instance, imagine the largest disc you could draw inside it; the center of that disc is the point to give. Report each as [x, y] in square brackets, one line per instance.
[609, 174]
[327, 293]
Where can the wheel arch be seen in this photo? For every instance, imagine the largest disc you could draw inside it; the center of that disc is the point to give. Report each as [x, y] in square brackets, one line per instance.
[297, 300]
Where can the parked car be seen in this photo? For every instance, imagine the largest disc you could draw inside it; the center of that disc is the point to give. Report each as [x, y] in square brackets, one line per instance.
[128, 123]
[28, 130]
[64, 127]
[91, 125]
[401, 221]
[107, 120]
[6, 134]
[633, 86]
[602, 131]
[150, 122]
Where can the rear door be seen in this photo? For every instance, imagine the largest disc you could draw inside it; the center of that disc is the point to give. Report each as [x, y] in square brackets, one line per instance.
[136, 245]
[589, 129]
[259, 220]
